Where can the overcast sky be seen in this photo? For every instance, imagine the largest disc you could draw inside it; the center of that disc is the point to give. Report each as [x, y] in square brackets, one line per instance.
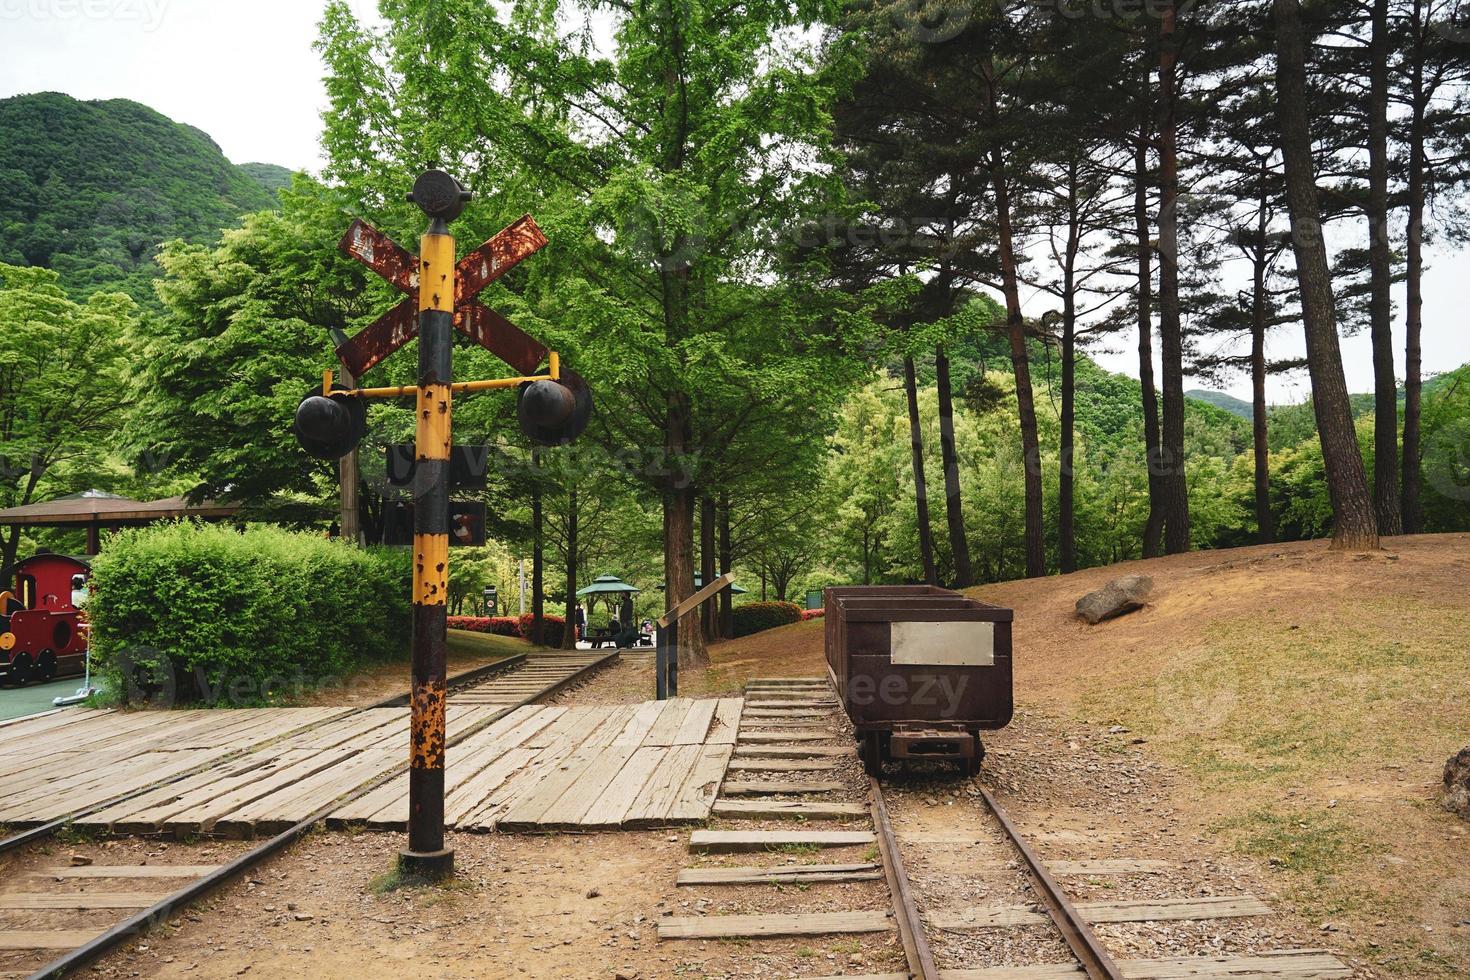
[244, 72]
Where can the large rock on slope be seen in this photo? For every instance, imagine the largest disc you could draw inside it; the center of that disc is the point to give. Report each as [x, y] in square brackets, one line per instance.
[1457, 783]
[1121, 595]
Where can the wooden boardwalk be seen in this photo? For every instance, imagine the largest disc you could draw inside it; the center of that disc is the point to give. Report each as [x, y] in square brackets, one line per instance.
[596, 768]
[248, 772]
[82, 758]
[528, 767]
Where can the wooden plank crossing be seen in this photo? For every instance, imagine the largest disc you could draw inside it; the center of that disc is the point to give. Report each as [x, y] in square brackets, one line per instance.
[256, 770]
[587, 768]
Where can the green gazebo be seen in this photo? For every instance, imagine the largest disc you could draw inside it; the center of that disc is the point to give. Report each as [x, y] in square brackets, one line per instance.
[609, 586]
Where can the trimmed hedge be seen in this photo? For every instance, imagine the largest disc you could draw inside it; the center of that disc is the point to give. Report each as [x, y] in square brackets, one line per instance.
[498, 625]
[194, 613]
[812, 614]
[753, 617]
[511, 626]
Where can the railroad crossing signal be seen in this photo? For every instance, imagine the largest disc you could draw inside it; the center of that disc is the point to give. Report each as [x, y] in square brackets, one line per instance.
[506, 250]
[553, 408]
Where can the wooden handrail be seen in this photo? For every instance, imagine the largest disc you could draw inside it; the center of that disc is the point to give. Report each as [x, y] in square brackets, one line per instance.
[683, 608]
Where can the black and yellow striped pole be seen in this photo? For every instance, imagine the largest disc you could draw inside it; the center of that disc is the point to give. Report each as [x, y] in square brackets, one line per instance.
[442, 198]
[553, 409]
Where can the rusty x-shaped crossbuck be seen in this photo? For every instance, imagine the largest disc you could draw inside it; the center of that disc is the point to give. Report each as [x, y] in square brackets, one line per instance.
[503, 252]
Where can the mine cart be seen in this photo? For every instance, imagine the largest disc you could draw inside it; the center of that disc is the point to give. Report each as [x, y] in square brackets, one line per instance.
[921, 671]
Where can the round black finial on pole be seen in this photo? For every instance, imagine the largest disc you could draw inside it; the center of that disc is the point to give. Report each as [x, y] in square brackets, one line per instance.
[439, 195]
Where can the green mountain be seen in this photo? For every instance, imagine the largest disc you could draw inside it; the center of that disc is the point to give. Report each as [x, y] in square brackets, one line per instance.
[1231, 404]
[268, 175]
[90, 189]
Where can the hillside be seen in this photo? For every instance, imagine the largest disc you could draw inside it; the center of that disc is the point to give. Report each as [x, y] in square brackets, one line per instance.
[268, 175]
[1231, 404]
[1302, 699]
[91, 188]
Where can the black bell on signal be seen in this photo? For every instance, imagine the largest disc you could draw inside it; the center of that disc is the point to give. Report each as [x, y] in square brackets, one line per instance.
[330, 426]
[553, 413]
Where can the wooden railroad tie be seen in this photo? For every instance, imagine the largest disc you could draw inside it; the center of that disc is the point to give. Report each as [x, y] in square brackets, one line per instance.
[1145, 910]
[770, 809]
[780, 875]
[1290, 964]
[766, 926]
[774, 788]
[793, 751]
[737, 841]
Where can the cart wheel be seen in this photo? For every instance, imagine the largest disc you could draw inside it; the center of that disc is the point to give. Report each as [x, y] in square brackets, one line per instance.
[872, 754]
[971, 766]
[47, 666]
[20, 670]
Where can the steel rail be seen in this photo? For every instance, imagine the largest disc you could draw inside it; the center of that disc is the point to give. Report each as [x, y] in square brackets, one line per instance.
[1074, 929]
[910, 927]
[159, 912]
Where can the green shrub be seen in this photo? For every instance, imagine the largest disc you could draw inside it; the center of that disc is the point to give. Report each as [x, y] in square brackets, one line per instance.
[202, 613]
[753, 617]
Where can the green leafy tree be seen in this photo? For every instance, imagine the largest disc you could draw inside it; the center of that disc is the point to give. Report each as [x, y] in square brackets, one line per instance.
[667, 167]
[62, 391]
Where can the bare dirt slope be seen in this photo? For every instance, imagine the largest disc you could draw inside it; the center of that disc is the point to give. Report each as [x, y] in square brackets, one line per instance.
[1308, 700]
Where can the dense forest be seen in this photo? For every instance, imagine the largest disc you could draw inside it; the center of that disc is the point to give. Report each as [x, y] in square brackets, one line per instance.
[92, 189]
[790, 258]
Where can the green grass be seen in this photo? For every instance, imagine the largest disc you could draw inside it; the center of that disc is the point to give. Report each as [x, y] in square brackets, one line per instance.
[1278, 696]
[72, 834]
[470, 644]
[396, 878]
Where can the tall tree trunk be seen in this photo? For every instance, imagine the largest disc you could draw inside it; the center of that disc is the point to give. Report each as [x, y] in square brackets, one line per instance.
[1153, 530]
[538, 554]
[959, 543]
[709, 611]
[1347, 481]
[1412, 503]
[1387, 507]
[1016, 334]
[1066, 484]
[679, 505]
[921, 488]
[1025, 398]
[569, 631]
[1171, 327]
[1265, 523]
[727, 563]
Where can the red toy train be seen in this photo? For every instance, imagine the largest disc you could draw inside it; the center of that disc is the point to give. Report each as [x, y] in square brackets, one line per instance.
[42, 634]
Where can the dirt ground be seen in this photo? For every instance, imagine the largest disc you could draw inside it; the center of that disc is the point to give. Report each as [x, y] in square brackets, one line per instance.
[1302, 702]
[1273, 723]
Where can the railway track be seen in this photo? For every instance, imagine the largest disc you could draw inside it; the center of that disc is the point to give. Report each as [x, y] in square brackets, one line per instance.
[150, 884]
[982, 903]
